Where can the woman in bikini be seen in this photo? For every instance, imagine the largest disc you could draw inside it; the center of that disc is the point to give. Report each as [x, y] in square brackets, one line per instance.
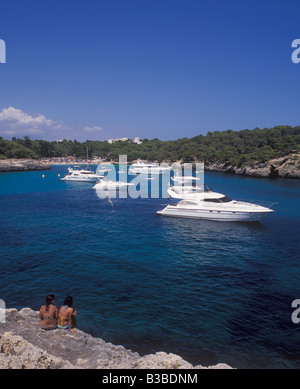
[67, 315]
[48, 314]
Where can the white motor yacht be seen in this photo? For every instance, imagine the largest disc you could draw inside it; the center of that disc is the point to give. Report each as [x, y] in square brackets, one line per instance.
[148, 168]
[213, 206]
[81, 175]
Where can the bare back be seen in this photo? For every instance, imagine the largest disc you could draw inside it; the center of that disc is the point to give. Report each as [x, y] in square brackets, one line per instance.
[48, 316]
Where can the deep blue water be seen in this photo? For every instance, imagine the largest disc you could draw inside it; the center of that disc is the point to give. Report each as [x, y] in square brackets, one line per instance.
[208, 291]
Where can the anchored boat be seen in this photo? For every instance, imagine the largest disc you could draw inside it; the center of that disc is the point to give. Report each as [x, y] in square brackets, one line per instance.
[206, 204]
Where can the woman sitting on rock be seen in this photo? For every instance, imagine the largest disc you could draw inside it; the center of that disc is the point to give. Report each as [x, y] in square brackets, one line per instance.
[48, 314]
[67, 315]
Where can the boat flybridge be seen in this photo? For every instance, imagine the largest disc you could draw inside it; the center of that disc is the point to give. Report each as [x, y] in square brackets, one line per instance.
[206, 204]
[148, 168]
[81, 175]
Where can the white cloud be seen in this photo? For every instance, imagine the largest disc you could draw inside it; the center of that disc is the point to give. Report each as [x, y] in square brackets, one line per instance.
[15, 122]
[92, 129]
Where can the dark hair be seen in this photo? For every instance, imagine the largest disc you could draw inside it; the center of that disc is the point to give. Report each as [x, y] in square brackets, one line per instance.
[49, 300]
[68, 301]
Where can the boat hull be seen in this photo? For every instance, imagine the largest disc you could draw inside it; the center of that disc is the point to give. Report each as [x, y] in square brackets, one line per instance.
[81, 179]
[232, 216]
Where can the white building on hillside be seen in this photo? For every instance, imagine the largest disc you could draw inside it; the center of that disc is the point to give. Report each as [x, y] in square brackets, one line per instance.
[117, 140]
[135, 140]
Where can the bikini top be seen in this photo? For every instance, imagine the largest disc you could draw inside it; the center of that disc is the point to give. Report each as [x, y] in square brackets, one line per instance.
[62, 318]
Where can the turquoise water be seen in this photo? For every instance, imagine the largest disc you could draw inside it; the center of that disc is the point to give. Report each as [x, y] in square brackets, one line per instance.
[208, 291]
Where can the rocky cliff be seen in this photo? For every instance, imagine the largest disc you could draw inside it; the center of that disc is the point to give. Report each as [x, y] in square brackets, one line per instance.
[23, 345]
[13, 165]
[288, 166]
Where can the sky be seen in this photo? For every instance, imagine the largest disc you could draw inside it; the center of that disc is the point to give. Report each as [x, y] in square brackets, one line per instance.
[166, 69]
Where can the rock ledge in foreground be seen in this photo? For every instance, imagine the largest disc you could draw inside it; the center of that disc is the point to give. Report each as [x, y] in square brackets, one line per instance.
[24, 346]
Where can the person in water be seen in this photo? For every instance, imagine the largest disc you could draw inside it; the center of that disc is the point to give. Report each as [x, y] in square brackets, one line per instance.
[67, 315]
[48, 314]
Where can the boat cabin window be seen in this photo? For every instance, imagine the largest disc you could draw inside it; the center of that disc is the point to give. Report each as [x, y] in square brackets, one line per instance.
[223, 199]
[187, 202]
[186, 189]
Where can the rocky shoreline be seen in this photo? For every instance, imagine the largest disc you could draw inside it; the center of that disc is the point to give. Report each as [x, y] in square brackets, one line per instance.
[23, 345]
[19, 165]
[284, 167]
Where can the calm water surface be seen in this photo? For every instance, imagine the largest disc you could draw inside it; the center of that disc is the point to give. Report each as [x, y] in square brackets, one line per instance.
[208, 291]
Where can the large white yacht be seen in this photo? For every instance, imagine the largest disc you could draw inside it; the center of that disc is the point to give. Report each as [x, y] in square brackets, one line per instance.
[148, 168]
[212, 206]
[81, 175]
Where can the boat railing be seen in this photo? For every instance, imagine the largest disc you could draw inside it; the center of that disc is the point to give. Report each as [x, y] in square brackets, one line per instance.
[263, 203]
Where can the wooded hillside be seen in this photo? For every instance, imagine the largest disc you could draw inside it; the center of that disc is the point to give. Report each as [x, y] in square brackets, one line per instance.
[234, 147]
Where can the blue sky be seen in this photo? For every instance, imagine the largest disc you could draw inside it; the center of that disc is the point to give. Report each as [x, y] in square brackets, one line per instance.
[153, 69]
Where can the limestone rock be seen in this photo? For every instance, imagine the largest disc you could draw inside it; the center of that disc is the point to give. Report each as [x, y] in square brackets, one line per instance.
[162, 360]
[11, 165]
[288, 166]
[17, 353]
[23, 345]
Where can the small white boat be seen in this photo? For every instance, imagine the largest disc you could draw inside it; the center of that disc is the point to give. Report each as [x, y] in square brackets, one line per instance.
[104, 170]
[110, 184]
[214, 206]
[183, 179]
[148, 168]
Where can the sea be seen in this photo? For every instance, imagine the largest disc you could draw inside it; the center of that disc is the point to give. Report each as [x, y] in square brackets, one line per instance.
[211, 292]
